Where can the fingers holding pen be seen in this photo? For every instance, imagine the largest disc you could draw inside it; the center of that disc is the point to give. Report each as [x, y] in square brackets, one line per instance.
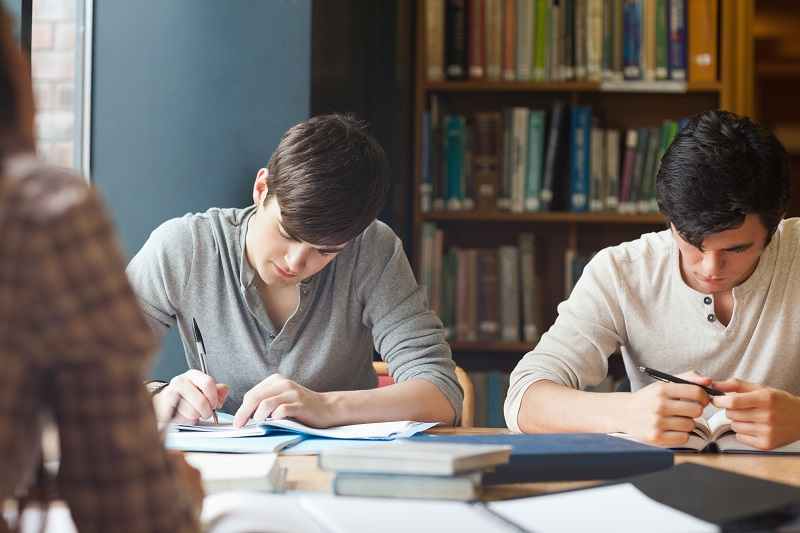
[196, 395]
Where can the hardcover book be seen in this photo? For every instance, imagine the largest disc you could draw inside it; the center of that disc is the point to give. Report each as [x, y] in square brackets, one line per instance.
[458, 487]
[565, 457]
[415, 457]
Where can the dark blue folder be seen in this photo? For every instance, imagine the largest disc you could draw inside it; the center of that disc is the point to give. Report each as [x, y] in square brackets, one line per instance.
[566, 457]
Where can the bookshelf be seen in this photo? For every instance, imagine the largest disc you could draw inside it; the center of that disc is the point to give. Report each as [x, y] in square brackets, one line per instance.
[620, 104]
[777, 78]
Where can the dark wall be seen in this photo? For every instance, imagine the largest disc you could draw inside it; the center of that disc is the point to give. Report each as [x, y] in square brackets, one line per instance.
[362, 52]
[189, 99]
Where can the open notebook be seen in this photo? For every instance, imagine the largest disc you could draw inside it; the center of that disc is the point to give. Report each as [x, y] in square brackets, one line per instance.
[276, 435]
[715, 435]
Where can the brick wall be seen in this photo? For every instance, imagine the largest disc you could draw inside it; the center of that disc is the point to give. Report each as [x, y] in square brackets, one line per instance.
[53, 70]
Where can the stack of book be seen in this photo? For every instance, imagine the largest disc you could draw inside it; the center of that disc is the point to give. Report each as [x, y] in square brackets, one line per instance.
[403, 469]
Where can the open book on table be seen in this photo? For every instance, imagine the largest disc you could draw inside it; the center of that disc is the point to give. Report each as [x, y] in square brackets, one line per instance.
[715, 435]
[277, 435]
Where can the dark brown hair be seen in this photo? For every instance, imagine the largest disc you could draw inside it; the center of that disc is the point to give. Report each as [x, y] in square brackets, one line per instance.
[330, 178]
[719, 168]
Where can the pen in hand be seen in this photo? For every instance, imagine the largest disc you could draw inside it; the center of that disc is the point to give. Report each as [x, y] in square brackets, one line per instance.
[201, 350]
[663, 376]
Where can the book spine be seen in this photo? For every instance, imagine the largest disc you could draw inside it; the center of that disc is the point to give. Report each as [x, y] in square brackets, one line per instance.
[552, 156]
[676, 22]
[581, 40]
[527, 260]
[662, 48]
[486, 159]
[631, 141]
[617, 39]
[425, 166]
[632, 30]
[525, 21]
[597, 175]
[468, 202]
[519, 157]
[540, 36]
[594, 40]
[647, 193]
[436, 271]
[434, 39]
[476, 57]
[426, 260]
[556, 44]
[506, 161]
[612, 164]
[473, 298]
[462, 297]
[568, 15]
[488, 295]
[455, 52]
[510, 40]
[702, 43]
[638, 169]
[493, 36]
[579, 160]
[533, 179]
[509, 293]
[648, 40]
[607, 62]
[454, 127]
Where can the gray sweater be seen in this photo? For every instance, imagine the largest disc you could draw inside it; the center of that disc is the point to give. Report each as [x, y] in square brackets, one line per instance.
[366, 298]
[633, 296]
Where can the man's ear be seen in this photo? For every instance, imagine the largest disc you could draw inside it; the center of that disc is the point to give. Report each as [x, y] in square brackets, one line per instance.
[260, 187]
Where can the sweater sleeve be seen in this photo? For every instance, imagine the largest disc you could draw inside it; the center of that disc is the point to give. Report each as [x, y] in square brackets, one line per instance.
[574, 352]
[160, 271]
[407, 334]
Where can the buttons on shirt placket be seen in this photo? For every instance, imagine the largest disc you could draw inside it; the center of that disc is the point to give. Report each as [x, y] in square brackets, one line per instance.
[711, 317]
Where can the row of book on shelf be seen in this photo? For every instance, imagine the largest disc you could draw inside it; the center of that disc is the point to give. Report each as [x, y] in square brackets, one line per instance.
[488, 294]
[482, 294]
[531, 160]
[592, 40]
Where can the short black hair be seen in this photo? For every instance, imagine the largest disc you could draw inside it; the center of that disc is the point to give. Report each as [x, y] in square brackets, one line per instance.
[719, 168]
[330, 178]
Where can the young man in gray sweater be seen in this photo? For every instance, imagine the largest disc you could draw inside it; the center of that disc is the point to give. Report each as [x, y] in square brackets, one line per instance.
[715, 298]
[295, 293]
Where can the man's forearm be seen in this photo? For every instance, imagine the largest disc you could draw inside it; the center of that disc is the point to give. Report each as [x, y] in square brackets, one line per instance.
[548, 407]
[415, 399]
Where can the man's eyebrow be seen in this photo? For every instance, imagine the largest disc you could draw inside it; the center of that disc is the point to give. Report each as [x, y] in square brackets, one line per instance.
[743, 246]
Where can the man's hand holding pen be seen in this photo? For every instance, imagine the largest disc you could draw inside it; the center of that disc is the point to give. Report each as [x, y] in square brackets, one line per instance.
[196, 395]
[663, 413]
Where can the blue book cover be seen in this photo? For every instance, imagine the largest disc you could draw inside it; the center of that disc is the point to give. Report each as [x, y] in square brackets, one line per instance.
[533, 178]
[494, 407]
[632, 34]
[454, 132]
[580, 131]
[566, 457]
[676, 39]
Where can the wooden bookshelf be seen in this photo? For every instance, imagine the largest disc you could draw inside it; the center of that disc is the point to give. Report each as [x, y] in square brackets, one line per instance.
[777, 78]
[622, 105]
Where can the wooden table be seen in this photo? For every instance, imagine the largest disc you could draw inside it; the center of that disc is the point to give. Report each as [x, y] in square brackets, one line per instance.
[304, 474]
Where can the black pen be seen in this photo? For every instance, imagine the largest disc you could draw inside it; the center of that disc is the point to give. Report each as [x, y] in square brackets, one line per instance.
[201, 350]
[661, 376]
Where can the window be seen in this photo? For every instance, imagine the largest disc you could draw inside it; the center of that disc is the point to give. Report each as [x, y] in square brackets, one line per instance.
[59, 43]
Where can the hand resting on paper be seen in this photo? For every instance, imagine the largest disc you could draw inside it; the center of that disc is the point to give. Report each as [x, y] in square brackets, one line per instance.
[663, 413]
[762, 417]
[278, 397]
[196, 394]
